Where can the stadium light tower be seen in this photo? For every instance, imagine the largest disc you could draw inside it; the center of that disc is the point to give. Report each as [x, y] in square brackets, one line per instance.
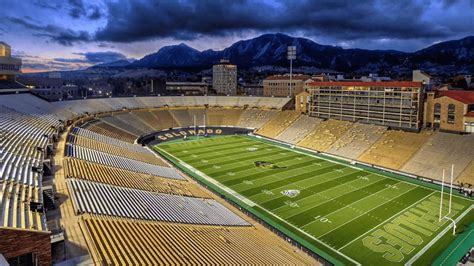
[291, 56]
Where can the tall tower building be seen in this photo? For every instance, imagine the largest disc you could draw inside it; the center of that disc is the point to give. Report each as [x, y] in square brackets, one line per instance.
[224, 78]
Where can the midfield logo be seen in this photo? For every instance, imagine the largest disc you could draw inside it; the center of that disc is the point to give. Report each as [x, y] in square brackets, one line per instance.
[291, 193]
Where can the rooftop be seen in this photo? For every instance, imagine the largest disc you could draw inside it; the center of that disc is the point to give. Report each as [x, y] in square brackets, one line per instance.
[466, 97]
[366, 84]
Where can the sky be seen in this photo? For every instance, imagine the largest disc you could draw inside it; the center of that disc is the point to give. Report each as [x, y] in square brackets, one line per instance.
[73, 34]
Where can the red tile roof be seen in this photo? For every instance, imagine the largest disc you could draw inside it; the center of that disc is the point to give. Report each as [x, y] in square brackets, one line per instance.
[367, 84]
[470, 114]
[466, 97]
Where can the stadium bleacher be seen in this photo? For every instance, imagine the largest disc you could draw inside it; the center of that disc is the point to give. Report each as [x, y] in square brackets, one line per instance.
[147, 243]
[110, 131]
[120, 162]
[10, 85]
[147, 118]
[80, 169]
[24, 136]
[299, 129]
[135, 209]
[356, 140]
[395, 148]
[467, 176]
[198, 113]
[106, 173]
[224, 117]
[181, 115]
[165, 120]
[115, 150]
[325, 134]
[76, 131]
[114, 104]
[256, 118]
[133, 122]
[124, 126]
[443, 149]
[97, 198]
[278, 123]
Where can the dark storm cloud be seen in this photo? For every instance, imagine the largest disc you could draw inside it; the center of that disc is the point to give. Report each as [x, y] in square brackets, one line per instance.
[130, 20]
[70, 60]
[87, 59]
[47, 4]
[95, 14]
[47, 66]
[105, 45]
[64, 36]
[102, 57]
[77, 8]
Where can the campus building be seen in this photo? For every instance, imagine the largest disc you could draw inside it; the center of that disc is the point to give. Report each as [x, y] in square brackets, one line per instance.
[9, 68]
[224, 78]
[426, 79]
[187, 88]
[450, 111]
[396, 104]
[279, 85]
[52, 89]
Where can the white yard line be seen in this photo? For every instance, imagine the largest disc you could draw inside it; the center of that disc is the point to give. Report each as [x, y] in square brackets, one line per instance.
[252, 204]
[315, 156]
[378, 192]
[396, 214]
[326, 199]
[441, 234]
[307, 188]
[362, 213]
[308, 153]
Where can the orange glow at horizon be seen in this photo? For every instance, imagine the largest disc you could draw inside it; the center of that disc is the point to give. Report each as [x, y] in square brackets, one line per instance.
[32, 70]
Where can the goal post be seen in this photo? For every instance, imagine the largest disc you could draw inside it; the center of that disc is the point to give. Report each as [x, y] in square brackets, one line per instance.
[441, 198]
[449, 200]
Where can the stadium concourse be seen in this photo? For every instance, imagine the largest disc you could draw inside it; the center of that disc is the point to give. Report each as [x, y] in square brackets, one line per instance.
[120, 203]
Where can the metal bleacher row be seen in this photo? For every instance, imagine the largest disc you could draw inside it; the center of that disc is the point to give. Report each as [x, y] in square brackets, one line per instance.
[24, 136]
[120, 242]
[115, 150]
[77, 131]
[110, 131]
[132, 210]
[125, 125]
[97, 198]
[120, 162]
[114, 104]
[124, 178]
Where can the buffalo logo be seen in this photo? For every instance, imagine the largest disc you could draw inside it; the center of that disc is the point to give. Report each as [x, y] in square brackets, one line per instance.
[267, 165]
[291, 193]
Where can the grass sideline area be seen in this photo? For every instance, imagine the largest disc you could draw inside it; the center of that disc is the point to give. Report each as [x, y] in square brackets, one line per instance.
[346, 214]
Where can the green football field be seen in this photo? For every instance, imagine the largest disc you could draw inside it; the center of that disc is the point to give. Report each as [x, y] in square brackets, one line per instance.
[348, 214]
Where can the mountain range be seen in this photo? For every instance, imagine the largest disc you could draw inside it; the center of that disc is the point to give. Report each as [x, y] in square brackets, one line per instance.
[455, 56]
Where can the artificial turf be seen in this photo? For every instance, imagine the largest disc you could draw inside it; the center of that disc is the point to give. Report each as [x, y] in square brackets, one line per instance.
[357, 215]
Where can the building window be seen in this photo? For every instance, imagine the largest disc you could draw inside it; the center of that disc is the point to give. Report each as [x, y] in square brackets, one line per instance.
[437, 112]
[451, 113]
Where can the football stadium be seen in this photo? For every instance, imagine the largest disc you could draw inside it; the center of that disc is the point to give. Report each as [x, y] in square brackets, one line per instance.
[224, 180]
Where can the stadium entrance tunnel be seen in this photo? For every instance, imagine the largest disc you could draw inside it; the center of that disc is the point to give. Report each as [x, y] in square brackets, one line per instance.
[185, 132]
